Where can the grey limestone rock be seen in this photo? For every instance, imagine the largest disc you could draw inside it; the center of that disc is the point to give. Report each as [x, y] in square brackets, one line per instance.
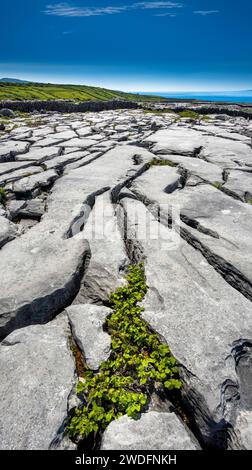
[8, 231]
[199, 315]
[153, 431]
[37, 376]
[87, 327]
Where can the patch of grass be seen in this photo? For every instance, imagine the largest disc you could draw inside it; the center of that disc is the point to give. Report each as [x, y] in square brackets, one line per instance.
[138, 361]
[189, 114]
[159, 162]
[34, 123]
[192, 115]
[3, 196]
[158, 111]
[22, 114]
[217, 184]
[5, 120]
[249, 201]
[204, 118]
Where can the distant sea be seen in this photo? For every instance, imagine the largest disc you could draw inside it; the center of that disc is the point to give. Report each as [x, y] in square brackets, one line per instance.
[232, 97]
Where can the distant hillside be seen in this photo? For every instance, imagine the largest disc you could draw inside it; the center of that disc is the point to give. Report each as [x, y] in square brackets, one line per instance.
[12, 80]
[47, 91]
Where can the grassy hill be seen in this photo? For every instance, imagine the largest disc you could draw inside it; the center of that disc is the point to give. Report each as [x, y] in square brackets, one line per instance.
[47, 91]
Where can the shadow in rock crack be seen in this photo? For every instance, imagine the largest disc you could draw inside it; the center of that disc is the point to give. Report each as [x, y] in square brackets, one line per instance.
[242, 354]
[80, 220]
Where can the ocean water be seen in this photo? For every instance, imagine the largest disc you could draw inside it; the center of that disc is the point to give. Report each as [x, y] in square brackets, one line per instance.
[232, 97]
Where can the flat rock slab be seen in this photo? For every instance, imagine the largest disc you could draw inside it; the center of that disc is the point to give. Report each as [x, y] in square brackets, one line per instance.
[8, 231]
[176, 140]
[87, 328]
[37, 376]
[43, 131]
[199, 315]
[65, 135]
[81, 143]
[108, 256]
[239, 183]
[11, 148]
[70, 150]
[20, 130]
[84, 131]
[48, 142]
[30, 183]
[196, 167]
[224, 152]
[224, 133]
[244, 428]
[63, 160]
[36, 284]
[165, 180]
[39, 155]
[79, 186]
[153, 431]
[85, 160]
[8, 167]
[222, 224]
[19, 174]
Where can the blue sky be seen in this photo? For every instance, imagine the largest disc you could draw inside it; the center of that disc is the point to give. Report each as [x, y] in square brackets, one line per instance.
[131, 45]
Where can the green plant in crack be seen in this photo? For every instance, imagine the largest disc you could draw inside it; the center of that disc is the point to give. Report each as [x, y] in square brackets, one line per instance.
[3, 196]
[217, 185]
[161, 162]
[138, 362]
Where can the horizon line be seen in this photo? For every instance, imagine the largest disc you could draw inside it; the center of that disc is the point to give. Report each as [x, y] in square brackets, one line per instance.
[131, 91]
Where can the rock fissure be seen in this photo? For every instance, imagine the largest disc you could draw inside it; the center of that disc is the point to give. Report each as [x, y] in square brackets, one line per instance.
[127, 187]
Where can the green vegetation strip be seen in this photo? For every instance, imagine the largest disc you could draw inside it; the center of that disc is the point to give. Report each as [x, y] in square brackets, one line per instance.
[217, 184]
[48, 91]
[3, 196]
[138, 362]
[162, 162]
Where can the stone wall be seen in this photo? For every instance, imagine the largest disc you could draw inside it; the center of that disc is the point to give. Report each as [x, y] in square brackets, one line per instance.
[66, 106]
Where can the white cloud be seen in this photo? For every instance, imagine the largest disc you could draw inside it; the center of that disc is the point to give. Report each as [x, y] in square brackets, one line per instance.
[65, 9]
[206, 12]
[156, 5]
[171, 15]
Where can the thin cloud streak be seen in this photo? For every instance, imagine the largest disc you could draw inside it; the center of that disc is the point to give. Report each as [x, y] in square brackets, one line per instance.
[65, 9]
[171, 15]
[156, 5]
[206, 12]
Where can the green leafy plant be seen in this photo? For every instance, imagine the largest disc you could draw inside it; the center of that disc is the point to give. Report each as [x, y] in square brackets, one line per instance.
[3, 196]
[138, 361]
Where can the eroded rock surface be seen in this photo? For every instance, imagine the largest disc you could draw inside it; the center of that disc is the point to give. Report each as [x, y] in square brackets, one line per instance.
[153, 431]
[83, 196]
[37, 376]
[87, 323]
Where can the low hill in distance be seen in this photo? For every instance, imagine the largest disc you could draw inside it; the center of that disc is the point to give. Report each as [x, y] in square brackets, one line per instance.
[18, 90]
[13, 80]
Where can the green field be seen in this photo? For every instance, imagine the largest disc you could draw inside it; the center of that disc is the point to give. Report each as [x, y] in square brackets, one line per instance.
[47, 91]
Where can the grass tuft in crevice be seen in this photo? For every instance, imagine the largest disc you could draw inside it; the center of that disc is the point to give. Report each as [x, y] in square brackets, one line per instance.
[162, 162]
[3, 196]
